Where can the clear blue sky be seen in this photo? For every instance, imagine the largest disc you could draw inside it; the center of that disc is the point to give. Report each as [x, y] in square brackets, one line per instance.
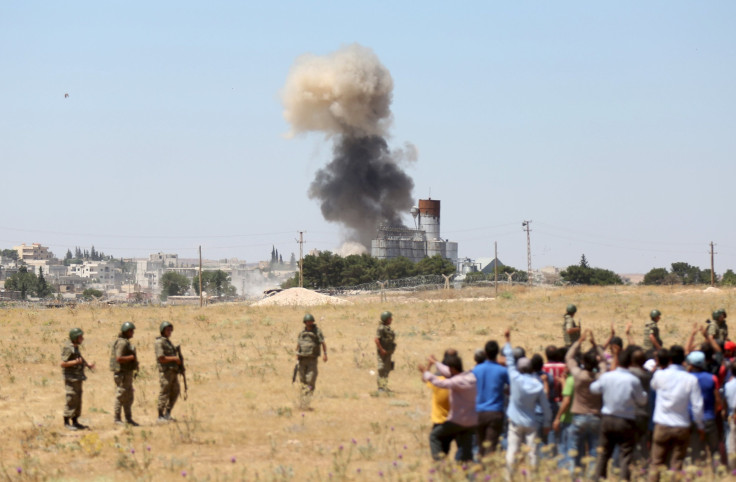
[610, 125]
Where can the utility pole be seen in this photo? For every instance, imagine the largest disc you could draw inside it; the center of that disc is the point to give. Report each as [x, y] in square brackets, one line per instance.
[712, 272]
[527, 228]
[495, 266]
[200, 277]
[301, 258]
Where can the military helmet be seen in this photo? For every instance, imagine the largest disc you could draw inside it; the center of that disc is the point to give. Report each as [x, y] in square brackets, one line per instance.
[655, 313]
[385, 316]
[717, 314]
[75, 333]
[127, 326]
[163, 326]
[571, 309]
[308, 317]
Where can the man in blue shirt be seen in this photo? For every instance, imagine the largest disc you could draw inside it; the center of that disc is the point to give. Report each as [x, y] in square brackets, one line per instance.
[711, 400]
[491, 380]
[621, 392]
[526, 393]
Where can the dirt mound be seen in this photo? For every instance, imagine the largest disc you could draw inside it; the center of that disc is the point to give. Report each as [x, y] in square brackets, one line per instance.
[711, 289]
[299, 297]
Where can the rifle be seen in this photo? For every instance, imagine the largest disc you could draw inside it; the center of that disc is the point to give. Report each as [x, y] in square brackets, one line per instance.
[85, 364]
[182, 371]
[296, 370]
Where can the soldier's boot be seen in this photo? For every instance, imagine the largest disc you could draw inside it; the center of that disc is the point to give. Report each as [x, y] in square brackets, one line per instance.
[68, 425]
[161, 416]
[168, 416]
[382, 384]
[117, 417]
[77, 425]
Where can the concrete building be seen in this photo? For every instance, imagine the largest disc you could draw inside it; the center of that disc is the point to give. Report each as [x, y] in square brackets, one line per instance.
[103, 273]
[33, 252]
[167, 260]
[415, 244]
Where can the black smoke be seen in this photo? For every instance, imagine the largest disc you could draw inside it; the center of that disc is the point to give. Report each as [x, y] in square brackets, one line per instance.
[362, 187]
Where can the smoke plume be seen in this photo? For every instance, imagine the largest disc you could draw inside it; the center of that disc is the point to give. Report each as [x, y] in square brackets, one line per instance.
[347, 96]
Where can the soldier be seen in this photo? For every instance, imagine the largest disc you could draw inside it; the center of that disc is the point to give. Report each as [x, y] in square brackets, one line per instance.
[386, 344]
[307, 353]
[73, 366]
[717, 330]
[123, 362]
[168, 362]
[570, 329]
[651, 332]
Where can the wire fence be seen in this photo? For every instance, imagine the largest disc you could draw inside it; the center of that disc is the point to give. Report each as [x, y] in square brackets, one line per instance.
[429, 282]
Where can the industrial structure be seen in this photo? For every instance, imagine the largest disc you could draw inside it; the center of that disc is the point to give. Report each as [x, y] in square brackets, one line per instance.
[415, 244]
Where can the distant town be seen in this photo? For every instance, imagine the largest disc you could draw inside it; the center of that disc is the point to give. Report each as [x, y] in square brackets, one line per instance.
[72, 275]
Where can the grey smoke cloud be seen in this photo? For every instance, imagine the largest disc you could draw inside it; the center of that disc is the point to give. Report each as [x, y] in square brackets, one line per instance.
[347, 96]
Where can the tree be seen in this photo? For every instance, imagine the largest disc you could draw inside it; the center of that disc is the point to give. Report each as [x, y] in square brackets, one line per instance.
[68, 254]
[585, 275]
[173, 284]
[43, 289]
[655, 276]
[584, 262]
[9, 253]
[729, 278]
[90, 294]
[689, 274]
[397, 268]
[435, 265]
[23, 281]
[214, 282]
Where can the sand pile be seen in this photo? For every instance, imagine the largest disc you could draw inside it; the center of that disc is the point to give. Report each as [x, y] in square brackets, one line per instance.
[711, 289]
[299, 297]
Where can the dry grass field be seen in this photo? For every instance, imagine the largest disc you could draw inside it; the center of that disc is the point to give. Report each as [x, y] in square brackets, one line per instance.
[242, 420]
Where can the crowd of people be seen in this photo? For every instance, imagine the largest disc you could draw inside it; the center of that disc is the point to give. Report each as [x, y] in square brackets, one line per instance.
[591, 404]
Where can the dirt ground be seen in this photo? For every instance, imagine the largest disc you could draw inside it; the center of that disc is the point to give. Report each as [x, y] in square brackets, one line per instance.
[242, 419]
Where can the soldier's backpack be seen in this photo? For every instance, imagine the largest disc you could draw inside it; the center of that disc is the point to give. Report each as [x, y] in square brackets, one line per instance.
[114, 365]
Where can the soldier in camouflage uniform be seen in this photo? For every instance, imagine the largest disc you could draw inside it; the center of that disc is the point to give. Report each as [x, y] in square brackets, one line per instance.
[652, 341]
[385, 344]
[123, 363]
[168, 363]
[717, 330]
[307, 353]
[570, 329]
[73, 365]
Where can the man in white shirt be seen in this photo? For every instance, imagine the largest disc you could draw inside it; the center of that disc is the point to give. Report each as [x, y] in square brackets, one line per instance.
[676, 390]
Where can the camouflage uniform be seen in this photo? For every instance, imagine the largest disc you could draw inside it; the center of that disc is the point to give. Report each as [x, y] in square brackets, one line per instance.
[569, 323]
[651, 328]
[73, 378]
[718, 330]
[386, 337]
[123, 376]
[310, 348]
[168, 375]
